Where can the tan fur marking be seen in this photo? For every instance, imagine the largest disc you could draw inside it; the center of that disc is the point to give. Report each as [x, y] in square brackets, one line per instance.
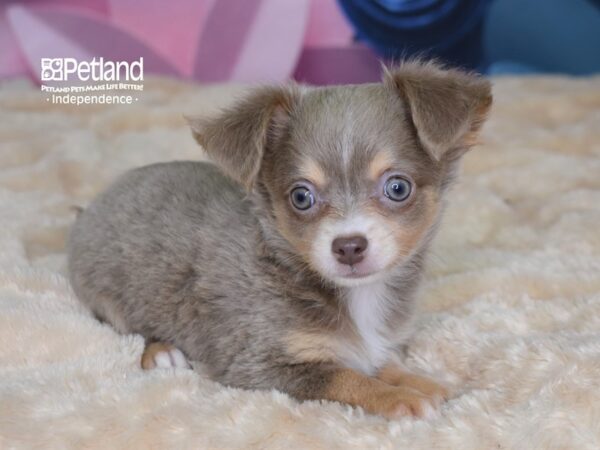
[377, 397]
[413, 235]
[302, 245]
[398, 377]
[312, 347]
[150, 352]
[312, 172]
[379, 164]
[409, 236]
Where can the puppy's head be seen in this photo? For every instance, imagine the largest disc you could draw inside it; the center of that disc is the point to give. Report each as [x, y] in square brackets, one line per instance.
[352, 176]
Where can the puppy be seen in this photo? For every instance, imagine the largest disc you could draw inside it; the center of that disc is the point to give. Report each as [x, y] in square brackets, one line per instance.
[293, 263]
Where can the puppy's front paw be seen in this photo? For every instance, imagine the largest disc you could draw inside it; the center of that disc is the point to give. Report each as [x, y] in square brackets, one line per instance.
[160, 354]
[398, 402]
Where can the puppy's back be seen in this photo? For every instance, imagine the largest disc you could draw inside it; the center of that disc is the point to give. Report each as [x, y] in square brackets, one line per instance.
[140, 242]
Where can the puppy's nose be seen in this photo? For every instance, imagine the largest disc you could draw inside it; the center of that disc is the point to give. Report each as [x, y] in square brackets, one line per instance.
[349, 250]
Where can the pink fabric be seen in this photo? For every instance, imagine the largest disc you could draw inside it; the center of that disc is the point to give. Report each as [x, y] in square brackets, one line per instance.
[172, 29]
[230, 21]
[206, 40]
[272, 46]
[327, 26]
[12, 60]
[64, 33]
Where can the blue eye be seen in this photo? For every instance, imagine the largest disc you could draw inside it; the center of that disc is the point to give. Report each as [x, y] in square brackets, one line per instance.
[397, 189]
[302, 198]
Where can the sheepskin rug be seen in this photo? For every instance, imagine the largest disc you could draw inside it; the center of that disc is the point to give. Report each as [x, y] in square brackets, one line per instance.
[510, 305]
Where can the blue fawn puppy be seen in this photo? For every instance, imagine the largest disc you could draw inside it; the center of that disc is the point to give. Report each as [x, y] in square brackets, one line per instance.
[291, 263]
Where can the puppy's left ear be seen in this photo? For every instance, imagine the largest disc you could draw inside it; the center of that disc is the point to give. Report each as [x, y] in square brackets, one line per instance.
[447, 107]
[237, 138]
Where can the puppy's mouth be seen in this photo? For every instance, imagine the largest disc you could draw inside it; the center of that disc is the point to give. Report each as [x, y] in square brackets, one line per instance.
[366, 270]
[354, 273]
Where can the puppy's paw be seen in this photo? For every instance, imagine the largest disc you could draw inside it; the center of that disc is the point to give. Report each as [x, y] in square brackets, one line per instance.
[162, 355]
[430, 388]
[424, 385]
[399, 402]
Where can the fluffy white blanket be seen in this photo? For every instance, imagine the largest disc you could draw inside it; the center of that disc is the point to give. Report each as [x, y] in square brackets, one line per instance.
[511, 302]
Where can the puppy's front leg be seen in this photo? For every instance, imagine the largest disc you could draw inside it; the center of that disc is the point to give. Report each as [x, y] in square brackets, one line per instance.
[396, 376]
[348, 386]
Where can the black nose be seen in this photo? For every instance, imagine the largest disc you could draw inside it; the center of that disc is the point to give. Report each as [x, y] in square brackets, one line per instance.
[349, 250]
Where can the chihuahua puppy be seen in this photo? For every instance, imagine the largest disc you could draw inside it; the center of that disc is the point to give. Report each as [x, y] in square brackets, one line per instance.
[292, 263]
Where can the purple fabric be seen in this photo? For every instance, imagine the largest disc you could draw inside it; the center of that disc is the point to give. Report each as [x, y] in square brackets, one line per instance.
[338, 65]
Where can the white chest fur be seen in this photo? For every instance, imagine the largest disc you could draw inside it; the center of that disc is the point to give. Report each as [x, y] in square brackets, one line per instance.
[369, 307]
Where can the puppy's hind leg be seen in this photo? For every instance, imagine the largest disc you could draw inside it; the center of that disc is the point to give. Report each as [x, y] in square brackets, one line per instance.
[163, 355]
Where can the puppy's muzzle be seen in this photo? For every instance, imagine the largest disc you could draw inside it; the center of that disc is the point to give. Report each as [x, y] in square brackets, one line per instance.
[349, 250]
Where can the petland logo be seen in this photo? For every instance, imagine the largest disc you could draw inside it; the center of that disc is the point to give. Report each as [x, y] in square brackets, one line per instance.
[62, 69]
[99, 74]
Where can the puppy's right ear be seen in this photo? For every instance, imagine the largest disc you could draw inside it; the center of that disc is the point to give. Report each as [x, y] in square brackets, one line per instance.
[236, 139]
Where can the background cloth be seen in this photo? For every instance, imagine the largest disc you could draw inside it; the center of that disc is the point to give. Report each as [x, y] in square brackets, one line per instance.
[510, 303]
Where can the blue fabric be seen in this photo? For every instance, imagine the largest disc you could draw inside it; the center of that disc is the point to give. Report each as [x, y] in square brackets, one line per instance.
[494, 36]
[511, 68]
[560, 36]
[448, 29]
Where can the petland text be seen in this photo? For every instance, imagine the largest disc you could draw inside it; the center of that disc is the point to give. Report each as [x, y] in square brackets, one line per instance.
[98, 69]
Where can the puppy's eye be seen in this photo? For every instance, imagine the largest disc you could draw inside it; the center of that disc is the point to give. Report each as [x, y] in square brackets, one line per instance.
[302, 198]
[397, 189]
